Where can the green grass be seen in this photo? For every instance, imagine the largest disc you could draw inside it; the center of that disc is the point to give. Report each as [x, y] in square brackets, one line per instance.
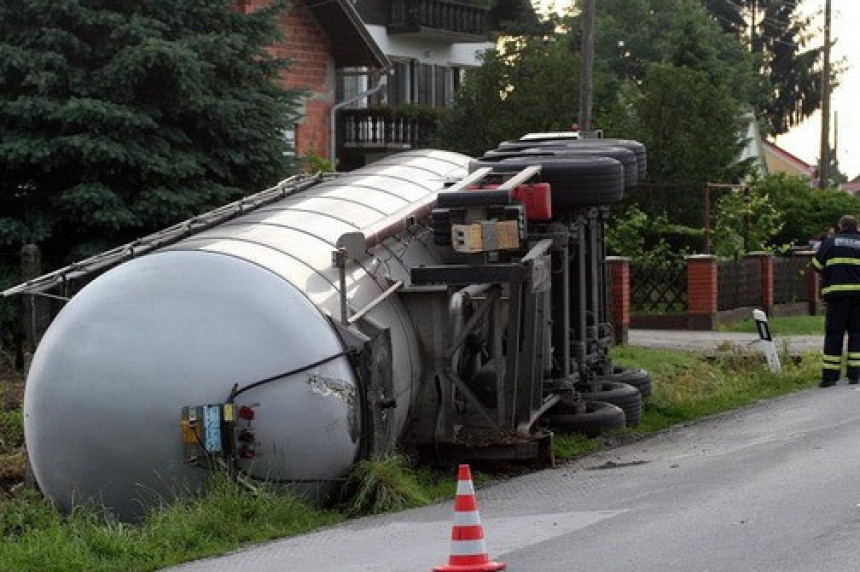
[780, 326]
[383, 485]
[572, 445]
[37, 537]
[686, 386]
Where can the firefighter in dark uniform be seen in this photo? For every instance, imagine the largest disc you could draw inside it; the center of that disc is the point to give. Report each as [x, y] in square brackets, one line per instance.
[838, 261]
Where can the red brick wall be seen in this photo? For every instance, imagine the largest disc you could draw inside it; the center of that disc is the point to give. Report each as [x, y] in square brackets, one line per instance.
[702, 285]
[619, 268]
[766, 266]
[308, 48]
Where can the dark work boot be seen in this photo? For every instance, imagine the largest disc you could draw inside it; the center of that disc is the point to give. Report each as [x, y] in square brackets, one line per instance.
[854, 380]
[829, 383]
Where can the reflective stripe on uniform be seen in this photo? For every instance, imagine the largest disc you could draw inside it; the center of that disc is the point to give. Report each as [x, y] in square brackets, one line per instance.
[831, 362]
[851, 261]
[817, 264]
[841, 288]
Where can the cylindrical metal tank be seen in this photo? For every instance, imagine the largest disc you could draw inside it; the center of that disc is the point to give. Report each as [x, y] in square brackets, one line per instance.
[239, 303]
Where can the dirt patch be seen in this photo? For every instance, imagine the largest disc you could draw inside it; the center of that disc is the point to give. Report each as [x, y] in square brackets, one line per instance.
[13, 455]
[12, 389]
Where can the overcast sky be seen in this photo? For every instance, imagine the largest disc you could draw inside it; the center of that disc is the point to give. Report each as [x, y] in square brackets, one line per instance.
[805, 140]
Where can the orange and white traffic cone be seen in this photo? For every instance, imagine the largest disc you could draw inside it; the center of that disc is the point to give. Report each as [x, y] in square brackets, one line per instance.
[468, 551]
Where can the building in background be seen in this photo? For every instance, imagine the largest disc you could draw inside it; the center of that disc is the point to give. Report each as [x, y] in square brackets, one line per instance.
[321, 39]
[781, 161]
[378, 71]
[431, 45]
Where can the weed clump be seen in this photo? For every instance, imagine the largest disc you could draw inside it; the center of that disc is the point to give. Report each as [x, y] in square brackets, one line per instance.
[382, 485]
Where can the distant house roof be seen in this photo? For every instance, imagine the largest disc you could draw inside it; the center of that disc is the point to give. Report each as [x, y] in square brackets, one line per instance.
[852, 186]
[781, 161]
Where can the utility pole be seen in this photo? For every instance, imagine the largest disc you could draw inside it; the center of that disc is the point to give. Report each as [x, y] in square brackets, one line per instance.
[824, 167]
[752, 25]
[835, 160]
[585, 81]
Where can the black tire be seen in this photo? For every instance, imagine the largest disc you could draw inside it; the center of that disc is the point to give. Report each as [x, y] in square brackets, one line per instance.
[638, 378]
[641, 154]
[576, 182]
[622, 395]
[544, 144]
[594, 421]
[591, 148]
[499, 154]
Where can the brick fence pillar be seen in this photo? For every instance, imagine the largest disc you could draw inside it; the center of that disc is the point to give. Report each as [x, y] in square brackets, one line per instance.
[766, 265]
[702, 291]
[813, 287]
[619, 268]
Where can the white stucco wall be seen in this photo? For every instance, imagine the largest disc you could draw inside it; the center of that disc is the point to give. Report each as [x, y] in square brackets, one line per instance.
[428, 51]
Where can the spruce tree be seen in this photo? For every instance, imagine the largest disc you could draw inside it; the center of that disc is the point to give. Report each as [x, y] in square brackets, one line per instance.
[783, 40]
[119, 118]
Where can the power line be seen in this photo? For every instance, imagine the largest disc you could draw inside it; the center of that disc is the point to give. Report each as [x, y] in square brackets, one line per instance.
[785, 25]
[781, 26]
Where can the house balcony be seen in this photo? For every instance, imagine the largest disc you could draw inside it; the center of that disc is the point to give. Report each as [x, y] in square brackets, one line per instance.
[440, 19]
[374, 130]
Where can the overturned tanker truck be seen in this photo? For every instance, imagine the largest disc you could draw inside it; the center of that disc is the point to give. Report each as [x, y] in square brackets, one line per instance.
[427, 302]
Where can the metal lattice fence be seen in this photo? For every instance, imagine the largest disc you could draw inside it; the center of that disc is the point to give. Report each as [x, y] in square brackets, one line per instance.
[789, 280]
[738, 283]
[658, 288]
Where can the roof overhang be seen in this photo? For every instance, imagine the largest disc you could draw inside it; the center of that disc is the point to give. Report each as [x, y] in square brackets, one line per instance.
[351, 43]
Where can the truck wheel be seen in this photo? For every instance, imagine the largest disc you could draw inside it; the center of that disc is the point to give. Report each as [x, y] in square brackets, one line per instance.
[638, 378]
[622, 395]
[576, 182]
[638, 148]
[625, 156]
[595, 420]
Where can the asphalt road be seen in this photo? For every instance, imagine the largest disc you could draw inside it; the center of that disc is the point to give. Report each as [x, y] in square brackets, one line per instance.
[711, 342]
[774, 487]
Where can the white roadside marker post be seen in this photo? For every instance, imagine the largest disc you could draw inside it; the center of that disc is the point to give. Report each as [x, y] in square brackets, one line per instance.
[767, 344]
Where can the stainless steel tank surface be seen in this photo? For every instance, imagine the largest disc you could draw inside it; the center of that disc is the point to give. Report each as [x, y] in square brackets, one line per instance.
[236, 304]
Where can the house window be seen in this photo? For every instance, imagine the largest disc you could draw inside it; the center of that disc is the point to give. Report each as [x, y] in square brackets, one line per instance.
[444, 88]
[400, 83]
[290, 141]
[424, 84]
[353, 81]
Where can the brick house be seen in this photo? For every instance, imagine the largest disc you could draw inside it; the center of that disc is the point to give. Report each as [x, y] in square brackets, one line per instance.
[431, 44]
[321, 40]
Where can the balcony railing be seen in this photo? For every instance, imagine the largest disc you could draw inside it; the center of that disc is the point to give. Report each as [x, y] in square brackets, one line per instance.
[426, 16]
[369, 129]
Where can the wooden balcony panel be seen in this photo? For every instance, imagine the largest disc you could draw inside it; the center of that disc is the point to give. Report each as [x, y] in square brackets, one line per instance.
[363, 130]
[440, 18]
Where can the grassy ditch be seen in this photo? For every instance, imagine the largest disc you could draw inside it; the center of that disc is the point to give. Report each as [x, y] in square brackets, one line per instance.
[780, 326]
[33, 536]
